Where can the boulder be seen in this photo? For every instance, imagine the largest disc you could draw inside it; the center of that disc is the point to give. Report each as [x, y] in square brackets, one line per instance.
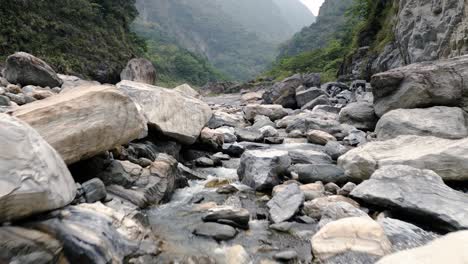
[185, 89]
[262, 121]
[438, 121]
[85, 122]
[269, 132]
[305, 96]
[360, 115]
[228, 133]
[139, 70]
[33, 176]
[313, 190]
[215, 231]
[448, 249]
[211, 138]
[311, 79]
[238, 216]
[310, 173]
[319, 137]
[25, 69]
[415, 192]
[274, 112]
[158, 105]
[335, 149]
[304, 156]
[355, 138]
[249, 134]
[335, 211]
[94, 190]
[315, 207]
[420, 85]
[262, 169]
[284, 92]
[285, 203]
[321, 100]
[446, 157]
[345, 236]
[220, 119]
[70, 82]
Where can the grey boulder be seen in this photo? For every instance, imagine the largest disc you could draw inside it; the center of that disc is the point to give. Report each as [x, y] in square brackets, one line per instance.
[285, 203]
[360, 115]
[139, 70]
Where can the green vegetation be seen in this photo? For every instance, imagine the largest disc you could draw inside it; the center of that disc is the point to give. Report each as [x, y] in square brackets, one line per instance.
[90, 38]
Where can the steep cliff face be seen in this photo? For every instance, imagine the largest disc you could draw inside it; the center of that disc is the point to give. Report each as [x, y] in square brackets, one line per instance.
[422, 30]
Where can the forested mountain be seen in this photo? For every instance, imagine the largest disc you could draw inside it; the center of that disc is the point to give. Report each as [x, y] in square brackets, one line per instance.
[91, 38]
[232, 35]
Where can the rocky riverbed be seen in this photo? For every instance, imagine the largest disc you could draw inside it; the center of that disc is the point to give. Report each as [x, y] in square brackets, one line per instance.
[298, 172]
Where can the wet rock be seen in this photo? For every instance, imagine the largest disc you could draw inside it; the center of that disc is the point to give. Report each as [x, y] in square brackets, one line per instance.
[274, 112]
[360, 115]
[239, 216]
[285, 203]
[112, 119]
[348, 235]
[446, 157]
[335, 211]
[447, 249]
[315, 207]
[303, 97]
[228, 133]
[415, 192]
[234, 149]
[211, 138]
[94, 190]
[347, 189]
[227, 189]
[157, 104]
[25, 69]
[262, 169]
[335, 149]
[220, 119]
[310, 173]
[216, 231]
[285, 255]
[33, 176]
[249, 134]
[139, 70]
[438, 121]
[321, 100]
[405, 235]
[355, 138]
[319, 137]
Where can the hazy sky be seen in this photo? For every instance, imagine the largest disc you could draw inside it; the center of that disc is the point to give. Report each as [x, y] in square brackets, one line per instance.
[313, 5]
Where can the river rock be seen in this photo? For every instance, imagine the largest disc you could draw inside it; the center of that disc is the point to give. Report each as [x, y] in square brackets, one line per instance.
[448, 158]
[261, 121]
[448, 249]
[285, 203]
[321, 100]
[360, 115]
[313, 190]
[249, 134]
[158, 105]
[304, 156]
[211, 138]
[85, 122]
[234, 150]
[438, 121]
[25, 69]
[404, 235]
[305, 96]
[310, 173]
[269, 132]
[335, 211]
[239, 216]
[139, 70]
[274, 112]
[262, 169]
[319, 137]
[315, 207]
[216, 231]
[284, 92]
[285, 255]
[355, 234]
[420, 85]
[415, 192]
[228, 133]
[335, 149]
[220, 119]
[33, 177]
[185, 89]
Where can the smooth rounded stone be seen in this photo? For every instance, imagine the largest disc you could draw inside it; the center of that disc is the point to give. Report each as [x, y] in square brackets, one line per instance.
[211, 138]
[450, 248]
[158, 103]
[223, 119]
[94, 190]
[321, 100]
[19, 99]
[284, 227]
[416, 192]
[285, 203]
[448, 158]
[229, 134]
[313, 190]
[262, 121]
[310, 173]
[347, 189]
[332, 188]
[335, 211]
[4, 100]
[353, 234]
[405, 235]
[233, 150]
[269, 131]
[25, 69]
[305, 96]
[28, 246]
[112, 119]
[33, 176]
[319, 137]
[285, 255]
[314, 208]
[335, 149]
[139, 70]
[273, 140]
[249, 135]
[355, 138]
[215, 231]
[237, 255]
[94, 233]
[240, 216]
[419, 85]
[438, 121]
[261, 169]
[272, 111]
[359, 115]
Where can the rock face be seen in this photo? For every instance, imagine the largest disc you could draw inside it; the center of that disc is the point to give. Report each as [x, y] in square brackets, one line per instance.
[285, 203]
[421, 85]
[448, 158]
[417, 192]
[159, 106]
[360, 115]
[139, 70]
[84, 122]
[347, 235]
[448, 249]
[261, 169]
[25, 69]
[33, 177]
[438, 121]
